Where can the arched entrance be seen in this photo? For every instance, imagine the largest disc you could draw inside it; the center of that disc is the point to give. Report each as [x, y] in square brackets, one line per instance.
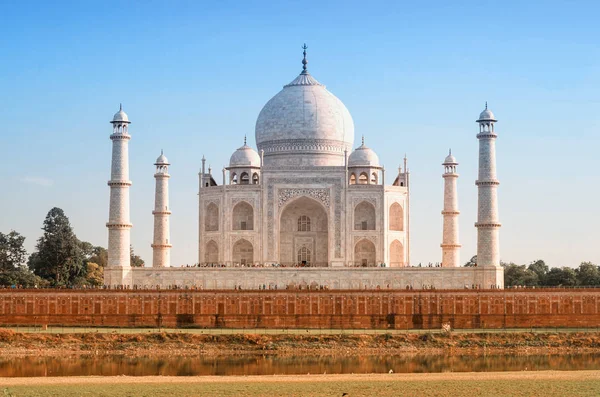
[364, 253]
[303, 234]
[243, 252]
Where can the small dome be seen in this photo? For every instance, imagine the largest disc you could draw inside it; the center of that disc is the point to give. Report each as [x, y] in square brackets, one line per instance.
[162, 159]
[363, 156]
[245, 157]
[120, 116]
[450, 160]
[486, 115]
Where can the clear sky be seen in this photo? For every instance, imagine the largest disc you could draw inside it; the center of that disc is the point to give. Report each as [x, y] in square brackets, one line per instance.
[194, 75]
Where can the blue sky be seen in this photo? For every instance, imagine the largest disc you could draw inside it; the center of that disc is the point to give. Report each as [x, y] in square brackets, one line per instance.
[194, 75]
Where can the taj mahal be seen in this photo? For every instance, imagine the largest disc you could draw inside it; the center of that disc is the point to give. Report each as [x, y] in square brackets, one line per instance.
[308, 208]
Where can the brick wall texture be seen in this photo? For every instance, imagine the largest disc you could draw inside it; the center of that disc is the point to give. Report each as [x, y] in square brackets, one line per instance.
[373, 309]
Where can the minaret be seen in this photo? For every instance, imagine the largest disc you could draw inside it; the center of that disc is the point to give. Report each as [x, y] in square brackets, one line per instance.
[488, 225]
[450, 245]
[161, 247]
[119, 224]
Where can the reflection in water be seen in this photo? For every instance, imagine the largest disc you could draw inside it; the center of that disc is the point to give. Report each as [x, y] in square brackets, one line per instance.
[269, 365]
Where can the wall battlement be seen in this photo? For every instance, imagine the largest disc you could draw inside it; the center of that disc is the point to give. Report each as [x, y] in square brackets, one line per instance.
[372, 309]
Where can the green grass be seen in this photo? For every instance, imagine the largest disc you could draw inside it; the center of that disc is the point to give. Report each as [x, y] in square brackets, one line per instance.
[452, 388]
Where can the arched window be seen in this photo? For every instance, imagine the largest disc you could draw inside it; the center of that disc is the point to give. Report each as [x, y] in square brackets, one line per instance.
[211, 218]
[396, 254]
[243, 216]
[364, 253]
[243, 252]
[304, 256]
[211, 255]
[374, 178]
[353, 179]
[244, 179]
[304, 224]
[255, 179]
[396, 217]
[234, 178]
[363, 179]
[364, 216]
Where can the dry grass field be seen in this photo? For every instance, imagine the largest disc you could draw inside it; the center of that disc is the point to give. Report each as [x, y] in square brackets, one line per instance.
[543, 383]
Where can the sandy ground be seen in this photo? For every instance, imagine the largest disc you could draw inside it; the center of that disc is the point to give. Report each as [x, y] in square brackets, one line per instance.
[450, 376]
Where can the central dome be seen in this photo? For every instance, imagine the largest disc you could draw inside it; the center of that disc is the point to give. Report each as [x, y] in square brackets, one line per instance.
[304, 125]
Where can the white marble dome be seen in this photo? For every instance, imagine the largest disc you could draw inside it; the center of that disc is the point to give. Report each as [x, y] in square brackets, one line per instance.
[120, 116]
[450, 159]
[162, 159]
[363, 156]
[245, 157]
[486, 115]
[304, 125]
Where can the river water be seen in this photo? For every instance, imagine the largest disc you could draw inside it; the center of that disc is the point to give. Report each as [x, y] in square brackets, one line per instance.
[270, 365]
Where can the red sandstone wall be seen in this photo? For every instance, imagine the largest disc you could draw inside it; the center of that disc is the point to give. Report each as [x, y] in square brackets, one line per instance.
[381, 309]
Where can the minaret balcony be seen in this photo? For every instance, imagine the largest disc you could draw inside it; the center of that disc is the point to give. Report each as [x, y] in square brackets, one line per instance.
[487, 224]
[120, 136]
[118, 225]
[490, 182]
[119, 183]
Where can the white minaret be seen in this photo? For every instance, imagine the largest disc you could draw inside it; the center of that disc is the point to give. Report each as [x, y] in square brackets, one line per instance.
[450, 245]
[161, 247]
[488, 225]
[119, 224]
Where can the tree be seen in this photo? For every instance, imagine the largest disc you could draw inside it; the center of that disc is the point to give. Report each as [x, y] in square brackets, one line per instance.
[519, 275]
[561, 277]
[136, 261]
[21, 277]
[59, 255]
[588, 274]
[99, 256]
[472, 262]
[540, 268]
[94, 274]
[12, 252]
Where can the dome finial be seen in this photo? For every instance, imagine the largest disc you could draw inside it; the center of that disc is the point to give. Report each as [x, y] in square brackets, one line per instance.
[120, 106]
[304, 61]
[244, 139]
[450, 152]
[486, 104]
[363, 140]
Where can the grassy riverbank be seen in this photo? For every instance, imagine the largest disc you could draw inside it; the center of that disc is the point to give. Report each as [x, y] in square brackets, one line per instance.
[546, 383]
[14, 343]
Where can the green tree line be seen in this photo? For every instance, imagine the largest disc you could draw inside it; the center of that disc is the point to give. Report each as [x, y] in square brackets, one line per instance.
[538, 274]
[60, 259]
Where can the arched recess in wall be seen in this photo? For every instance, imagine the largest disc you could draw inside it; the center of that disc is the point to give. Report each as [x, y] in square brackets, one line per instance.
[396, 217]
[364, 216]
[364, 253]
[211, 218]
[211, 254]
[255, 178]
[242, 216]
[396, 254]
[374, 178]
[243, 252]
[244, 178]
[363, 179]
[353, 179]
